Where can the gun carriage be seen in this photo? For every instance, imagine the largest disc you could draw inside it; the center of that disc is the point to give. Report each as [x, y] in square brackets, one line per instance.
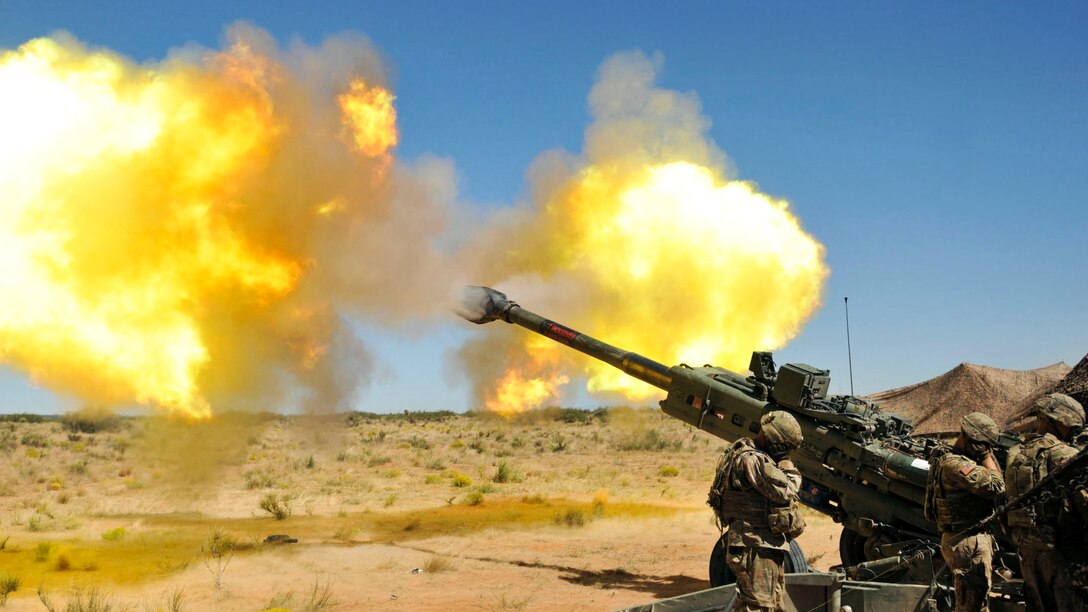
[860, 466]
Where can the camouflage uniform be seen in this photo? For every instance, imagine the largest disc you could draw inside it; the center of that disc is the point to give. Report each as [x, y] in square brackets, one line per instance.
[757, 503]
[1046, 579]
[1038, 530]
[961, 493]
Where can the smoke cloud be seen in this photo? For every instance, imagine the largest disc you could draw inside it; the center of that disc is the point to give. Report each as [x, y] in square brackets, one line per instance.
[646, 241]
[194, 233]
[200, 234]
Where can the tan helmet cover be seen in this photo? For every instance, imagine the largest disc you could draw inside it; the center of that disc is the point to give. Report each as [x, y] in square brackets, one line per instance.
[779, 427]
[1061, 408]
[980, 428]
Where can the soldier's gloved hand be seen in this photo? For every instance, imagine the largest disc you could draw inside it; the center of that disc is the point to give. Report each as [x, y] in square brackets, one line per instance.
[785, 464]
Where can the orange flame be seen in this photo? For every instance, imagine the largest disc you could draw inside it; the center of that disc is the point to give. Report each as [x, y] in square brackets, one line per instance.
[527, 386]
[141, 230]
[674, 263]
[649, 245]
[369, 113]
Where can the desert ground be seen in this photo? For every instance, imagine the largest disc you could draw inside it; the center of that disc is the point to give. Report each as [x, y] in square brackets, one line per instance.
[552, 510]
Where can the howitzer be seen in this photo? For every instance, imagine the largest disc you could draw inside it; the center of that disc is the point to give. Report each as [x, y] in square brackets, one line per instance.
[859, 465]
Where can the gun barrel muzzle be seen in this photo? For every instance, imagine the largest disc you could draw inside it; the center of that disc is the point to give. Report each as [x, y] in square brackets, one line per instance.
[484, 304]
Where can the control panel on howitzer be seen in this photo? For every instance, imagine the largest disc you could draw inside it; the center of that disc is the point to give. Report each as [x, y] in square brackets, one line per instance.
[860, 466]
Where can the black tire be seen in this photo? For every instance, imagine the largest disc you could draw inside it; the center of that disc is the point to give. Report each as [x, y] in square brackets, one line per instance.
[851, 547]
[855, 549]
[796, 563]
[720, 574]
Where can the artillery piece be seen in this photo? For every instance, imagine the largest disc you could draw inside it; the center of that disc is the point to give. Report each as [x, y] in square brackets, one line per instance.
[859, 465]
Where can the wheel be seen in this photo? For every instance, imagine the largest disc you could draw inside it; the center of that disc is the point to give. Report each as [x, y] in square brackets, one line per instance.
[795, 563]
[719, 570]
[855, 549]
[851, 547]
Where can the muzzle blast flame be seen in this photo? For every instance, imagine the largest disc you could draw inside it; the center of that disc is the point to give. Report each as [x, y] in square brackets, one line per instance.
[185, 234]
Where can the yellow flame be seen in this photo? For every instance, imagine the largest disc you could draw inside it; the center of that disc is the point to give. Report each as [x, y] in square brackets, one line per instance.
[369, 113]
[331, 207]
[534, 380]
[678, 265]
[519, 391]
[121, 219]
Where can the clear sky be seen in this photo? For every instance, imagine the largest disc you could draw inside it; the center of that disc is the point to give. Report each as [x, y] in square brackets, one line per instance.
[938, 150]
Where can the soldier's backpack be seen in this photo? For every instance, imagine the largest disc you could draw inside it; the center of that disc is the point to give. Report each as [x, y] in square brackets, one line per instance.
[722, 474]
[1026, 469]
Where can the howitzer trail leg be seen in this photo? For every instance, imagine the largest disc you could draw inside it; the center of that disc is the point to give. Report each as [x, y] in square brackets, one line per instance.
[971, 561]
[761, 578]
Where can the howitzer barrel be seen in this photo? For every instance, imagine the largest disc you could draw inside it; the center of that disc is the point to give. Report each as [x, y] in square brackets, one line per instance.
[483, 304]
[852, 458]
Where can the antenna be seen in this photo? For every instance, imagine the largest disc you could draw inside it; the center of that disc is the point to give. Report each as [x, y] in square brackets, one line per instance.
[849, 355]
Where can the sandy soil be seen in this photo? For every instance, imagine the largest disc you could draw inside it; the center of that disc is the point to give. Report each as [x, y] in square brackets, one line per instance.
[390, 514]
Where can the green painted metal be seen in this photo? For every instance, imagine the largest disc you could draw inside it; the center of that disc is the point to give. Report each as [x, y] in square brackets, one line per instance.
[860, 465]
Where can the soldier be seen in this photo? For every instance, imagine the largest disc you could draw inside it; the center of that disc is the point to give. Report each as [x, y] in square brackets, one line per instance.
[1046, 572]
[963, 484]
[755, 497]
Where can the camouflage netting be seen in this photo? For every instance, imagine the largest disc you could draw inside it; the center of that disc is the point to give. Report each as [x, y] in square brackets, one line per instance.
[1075, 385]
[937, 405]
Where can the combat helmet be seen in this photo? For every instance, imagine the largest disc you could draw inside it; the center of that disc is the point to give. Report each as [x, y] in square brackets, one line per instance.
[1060, 408]
[979, 427]
[780, 428]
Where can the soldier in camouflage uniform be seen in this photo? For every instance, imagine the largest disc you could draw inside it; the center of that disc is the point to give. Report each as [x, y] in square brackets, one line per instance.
[963, 484]
[755, 497]
[1037, 530]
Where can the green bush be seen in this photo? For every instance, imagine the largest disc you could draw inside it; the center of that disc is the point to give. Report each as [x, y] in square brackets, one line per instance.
[668, 471]
[35, 439]
[8, 441]
[42, 551]
[505, 473]
[91, 419]
[258, 479]
[649, 440]
[22, 417]
[572, 517]
[377, 460]
[559, 444]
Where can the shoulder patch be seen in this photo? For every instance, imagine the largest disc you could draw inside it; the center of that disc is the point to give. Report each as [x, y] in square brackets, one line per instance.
[967, 469]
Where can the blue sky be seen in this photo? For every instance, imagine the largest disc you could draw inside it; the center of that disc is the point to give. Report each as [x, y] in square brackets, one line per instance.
[937, 150]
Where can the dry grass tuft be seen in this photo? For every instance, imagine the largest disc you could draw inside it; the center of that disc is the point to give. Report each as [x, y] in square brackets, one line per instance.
[437, 563]
[8, 584]
[571, 517]
[279, 506]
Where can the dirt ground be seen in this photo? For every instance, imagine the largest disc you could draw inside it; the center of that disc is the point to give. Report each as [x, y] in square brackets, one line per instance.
[557, 511]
